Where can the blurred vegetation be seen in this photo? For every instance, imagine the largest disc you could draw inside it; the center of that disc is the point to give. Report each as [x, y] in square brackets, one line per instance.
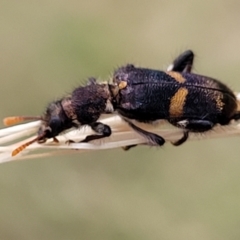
[48, 48]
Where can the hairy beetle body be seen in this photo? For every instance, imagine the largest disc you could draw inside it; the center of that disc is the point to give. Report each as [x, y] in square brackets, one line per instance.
[192, 102]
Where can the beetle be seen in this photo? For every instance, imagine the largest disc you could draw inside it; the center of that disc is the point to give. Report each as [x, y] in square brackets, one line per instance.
[192, 102]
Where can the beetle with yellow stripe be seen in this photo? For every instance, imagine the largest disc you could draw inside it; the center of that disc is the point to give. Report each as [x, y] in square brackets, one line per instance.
[189, 101]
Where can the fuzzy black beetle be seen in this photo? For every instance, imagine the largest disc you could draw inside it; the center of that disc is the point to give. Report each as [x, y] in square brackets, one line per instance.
[189, 101]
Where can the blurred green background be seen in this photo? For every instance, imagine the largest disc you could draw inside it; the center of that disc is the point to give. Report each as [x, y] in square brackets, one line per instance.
[49, 47]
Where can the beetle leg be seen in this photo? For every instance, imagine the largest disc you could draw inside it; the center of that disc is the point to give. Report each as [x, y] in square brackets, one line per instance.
[126, 148]
[196, 125]
[236, 116]
[98, 127]
[153, 139]
[182, 139]
[193, 125]
[183, 63]
[103, 131]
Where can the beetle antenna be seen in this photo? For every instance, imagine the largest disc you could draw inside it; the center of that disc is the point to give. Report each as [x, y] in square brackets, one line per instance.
[23, 146]
[17, 119]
